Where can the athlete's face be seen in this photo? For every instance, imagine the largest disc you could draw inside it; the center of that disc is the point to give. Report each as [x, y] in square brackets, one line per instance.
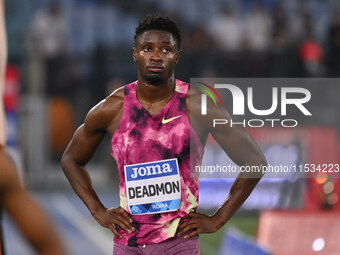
[156, 55]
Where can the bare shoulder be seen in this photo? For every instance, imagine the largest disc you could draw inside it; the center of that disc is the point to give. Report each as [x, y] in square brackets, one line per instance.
[193, 101]
[193, 93]
[197, 121]
[101, 116]
[212, 110]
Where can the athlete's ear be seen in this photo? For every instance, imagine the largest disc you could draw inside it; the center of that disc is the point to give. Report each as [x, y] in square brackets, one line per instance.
[134, 54]
[178, 55]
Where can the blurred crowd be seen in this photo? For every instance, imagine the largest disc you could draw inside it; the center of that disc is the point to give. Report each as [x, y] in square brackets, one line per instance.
[228, 38]
[81, 50]
[88, 43]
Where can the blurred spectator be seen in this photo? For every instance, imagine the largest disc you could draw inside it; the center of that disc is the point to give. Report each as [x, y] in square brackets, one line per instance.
[280, 42]
[226, 29]
[297, 24]
[333, 45]
[311, 55]
[47, 36]
[258, 29]
[280, 28]
[311, 52]
[46, 47]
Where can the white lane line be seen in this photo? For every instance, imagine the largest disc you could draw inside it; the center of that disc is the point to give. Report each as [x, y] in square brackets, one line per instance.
[79, 221]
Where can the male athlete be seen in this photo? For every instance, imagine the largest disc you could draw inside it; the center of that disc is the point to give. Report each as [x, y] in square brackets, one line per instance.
[25, 212]
[154, 144]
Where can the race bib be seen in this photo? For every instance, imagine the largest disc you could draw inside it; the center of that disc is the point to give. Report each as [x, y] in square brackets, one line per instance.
[153, 187]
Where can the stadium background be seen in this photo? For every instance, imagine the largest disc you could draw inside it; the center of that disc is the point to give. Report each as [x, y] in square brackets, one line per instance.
[66, 55]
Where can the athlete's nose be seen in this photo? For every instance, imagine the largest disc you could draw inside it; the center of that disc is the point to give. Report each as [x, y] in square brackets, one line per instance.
[155, 56]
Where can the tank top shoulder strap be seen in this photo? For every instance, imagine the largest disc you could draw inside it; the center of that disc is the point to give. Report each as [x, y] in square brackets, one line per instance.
[130, 92]
[130, 98]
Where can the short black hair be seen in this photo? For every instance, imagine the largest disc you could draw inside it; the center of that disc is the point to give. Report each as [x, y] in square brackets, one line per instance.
[157, 21]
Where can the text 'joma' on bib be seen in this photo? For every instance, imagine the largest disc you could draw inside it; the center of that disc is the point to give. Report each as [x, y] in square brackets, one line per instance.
[153, 187]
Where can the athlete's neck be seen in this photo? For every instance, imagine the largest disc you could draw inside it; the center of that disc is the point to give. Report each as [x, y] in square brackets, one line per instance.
[152, 93]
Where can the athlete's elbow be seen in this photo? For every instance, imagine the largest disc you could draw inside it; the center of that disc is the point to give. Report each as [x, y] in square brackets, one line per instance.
[262, 161]
[69, 163]
[257, 158]
[66, 162]
[257, 163]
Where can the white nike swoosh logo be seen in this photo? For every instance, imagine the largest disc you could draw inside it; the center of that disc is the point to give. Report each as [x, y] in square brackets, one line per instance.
[164, 121]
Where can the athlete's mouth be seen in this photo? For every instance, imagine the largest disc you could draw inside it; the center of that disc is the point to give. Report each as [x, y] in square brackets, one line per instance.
[155, 69]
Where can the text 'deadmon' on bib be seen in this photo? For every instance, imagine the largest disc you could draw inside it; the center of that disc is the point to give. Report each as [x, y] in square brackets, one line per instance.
[153, 187]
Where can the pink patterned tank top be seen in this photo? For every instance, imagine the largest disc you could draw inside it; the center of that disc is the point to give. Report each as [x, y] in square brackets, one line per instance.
[142, 138]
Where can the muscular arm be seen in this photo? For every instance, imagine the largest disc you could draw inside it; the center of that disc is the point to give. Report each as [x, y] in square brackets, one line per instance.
[102, 119]
[25, 212]
[241, 148]
[3, 59]
[79, 151]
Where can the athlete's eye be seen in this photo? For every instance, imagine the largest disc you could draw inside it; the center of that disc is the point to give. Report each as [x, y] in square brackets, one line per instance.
[147, 48]
[166, 50]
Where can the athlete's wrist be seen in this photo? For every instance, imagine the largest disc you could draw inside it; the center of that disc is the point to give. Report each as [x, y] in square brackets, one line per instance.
[218, 219]
[96, 209]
